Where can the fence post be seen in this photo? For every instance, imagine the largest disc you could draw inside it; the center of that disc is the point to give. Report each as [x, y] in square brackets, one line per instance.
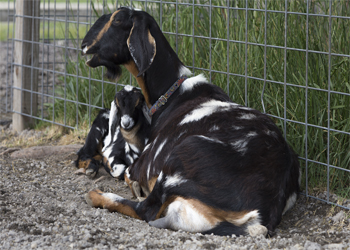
[26, 56]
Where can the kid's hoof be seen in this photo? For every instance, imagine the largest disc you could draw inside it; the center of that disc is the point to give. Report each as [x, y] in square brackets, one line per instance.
[90, 172]
[80, 171]
[94, 198]
[256, 230]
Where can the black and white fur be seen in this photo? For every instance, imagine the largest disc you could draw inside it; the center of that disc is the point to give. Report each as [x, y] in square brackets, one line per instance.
[211, 165]
[117, 136]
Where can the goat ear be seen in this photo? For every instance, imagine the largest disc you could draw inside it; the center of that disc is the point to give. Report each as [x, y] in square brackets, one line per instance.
[142, 46]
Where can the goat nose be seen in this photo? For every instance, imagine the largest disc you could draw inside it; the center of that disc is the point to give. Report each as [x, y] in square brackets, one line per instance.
[127, 122]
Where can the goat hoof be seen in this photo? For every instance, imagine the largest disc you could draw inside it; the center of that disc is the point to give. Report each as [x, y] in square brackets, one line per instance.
[90, 172]
[94, 198]
[141, 199]
[256, 230]
[80, 171]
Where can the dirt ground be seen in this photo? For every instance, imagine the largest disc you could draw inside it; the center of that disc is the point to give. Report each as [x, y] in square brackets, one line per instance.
[42, 204]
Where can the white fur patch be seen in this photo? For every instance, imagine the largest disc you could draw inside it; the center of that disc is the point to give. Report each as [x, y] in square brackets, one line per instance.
[206, 109]
[290, 202]
[184, 71]
[113, 197]
[240, 145]
[127, 173]
[252, 217]
[247, 116]
[134, 148]
[106, 115]
[109, 136]
[128, 88]
[251, 134]
[146, 147]
[85, 49]
[160, 176]
[117, 170]
[159, 149]
[189, 83]
[181, 215]
[214, 128]
[245, 108]
[98, 129]
[210, 139]
[174, 180]
[148, 170]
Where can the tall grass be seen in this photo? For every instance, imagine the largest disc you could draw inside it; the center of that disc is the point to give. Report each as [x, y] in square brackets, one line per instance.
[305, 97]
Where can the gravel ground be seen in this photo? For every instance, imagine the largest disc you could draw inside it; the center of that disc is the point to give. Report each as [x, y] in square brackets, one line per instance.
[42, 206]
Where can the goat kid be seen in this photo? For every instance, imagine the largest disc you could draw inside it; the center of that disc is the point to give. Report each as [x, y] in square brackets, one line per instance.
[211, 165]
[117, 136]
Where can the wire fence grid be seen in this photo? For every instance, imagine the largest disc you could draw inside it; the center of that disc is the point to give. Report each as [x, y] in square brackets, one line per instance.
[289, 59]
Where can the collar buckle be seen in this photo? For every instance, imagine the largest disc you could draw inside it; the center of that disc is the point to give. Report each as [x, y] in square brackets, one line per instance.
[162, 100]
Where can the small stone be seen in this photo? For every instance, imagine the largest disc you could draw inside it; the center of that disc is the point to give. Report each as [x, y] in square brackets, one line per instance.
[34, 245]
[338, 217]
[312, 246]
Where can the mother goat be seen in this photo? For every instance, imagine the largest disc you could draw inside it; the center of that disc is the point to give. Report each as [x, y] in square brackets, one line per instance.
[211, 165]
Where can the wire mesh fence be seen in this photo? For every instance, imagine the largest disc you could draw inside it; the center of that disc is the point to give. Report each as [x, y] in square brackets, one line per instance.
[289, 59]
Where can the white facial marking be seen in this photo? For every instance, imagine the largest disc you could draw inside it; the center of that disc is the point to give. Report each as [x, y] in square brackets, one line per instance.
[117, 170]
[128, 88]
[97, 141]
[184, 71]
[159, 149]
[127, 148]
[189, 83]
[174, 180]
[206, 109]
[98, 129]
[127, 122]
[85, 49]
[247, 116]
[290, 202]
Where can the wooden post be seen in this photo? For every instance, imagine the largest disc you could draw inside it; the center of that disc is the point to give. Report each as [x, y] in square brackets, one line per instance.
[26, 56]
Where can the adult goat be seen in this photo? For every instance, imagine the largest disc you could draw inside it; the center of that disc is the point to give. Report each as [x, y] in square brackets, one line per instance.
[211, 165]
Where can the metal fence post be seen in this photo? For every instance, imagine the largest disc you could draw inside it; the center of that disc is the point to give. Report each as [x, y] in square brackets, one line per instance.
[26, 61]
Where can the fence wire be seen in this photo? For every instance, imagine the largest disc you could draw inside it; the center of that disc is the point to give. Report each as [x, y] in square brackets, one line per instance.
[289, 59]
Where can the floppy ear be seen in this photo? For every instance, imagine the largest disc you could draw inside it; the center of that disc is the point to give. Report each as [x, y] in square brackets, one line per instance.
[142, 45]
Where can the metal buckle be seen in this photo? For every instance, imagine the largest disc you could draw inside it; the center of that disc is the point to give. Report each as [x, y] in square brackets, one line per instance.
[162, 100]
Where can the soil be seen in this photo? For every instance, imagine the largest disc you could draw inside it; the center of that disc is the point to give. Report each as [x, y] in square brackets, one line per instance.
[42, 206]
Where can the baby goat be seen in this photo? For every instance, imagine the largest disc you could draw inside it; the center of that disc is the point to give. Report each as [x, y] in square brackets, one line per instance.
[211, 165]
[117, 136]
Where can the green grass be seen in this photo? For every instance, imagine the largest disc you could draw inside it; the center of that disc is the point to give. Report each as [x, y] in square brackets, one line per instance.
[302, 104]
